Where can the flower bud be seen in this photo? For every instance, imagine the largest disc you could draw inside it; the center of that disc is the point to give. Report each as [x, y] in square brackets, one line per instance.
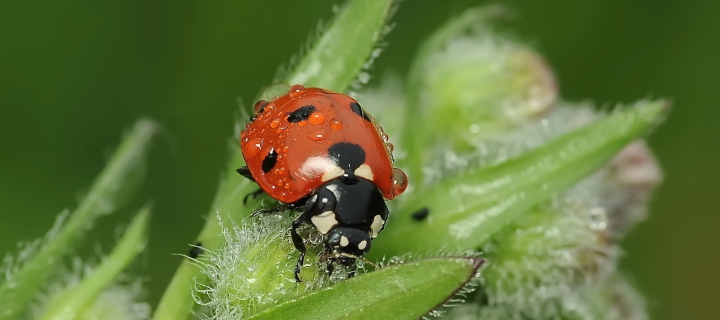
[483, 84]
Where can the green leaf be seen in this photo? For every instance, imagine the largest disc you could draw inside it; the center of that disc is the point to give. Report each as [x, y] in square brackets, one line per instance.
[333, 62]
[337, 57]
[405, 291]
[71, 303]
[114, 185]
[467, 209]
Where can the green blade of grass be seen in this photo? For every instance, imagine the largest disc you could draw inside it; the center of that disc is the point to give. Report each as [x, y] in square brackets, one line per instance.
[333, 63]
[71, 303]
[467, 209]
[114, 185]
[405, 291]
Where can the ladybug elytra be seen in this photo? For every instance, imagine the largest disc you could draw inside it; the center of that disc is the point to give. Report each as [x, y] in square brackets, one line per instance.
[320, 153]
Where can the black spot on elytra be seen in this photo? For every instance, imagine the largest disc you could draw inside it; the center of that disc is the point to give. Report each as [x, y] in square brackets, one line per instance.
[269, 161]
[348, 156]
[421, 214]
[196, 250]
[301, 114]
[355, 107]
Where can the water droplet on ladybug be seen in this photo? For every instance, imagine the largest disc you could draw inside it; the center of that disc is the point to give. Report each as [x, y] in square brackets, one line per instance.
[336, 124]
[317, 118]
[390, 147]
[260, 106]
[274, 123]
[253, 147]
[399, 182]
[302, 123]
[296, 91]
[317, 136]
[281, 130]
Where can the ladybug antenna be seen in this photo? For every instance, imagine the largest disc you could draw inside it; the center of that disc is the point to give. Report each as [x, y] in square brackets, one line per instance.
[370, 263]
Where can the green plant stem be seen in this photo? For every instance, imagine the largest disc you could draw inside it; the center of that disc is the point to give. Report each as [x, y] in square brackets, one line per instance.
[71, 303]
[177, 302]
[113, 185]
[341, 52]
[333, 63]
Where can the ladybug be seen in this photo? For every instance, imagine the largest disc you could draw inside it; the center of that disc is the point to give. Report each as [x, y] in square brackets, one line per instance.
[320, 153]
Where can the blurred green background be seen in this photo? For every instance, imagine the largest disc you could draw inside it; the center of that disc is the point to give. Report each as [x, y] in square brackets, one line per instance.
[75, 74]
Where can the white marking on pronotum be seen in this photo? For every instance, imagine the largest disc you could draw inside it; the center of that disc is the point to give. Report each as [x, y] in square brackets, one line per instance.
[376, 226]
[344, 241]
[320, 166]
[362, 245]
[324, 221]
[364, 171]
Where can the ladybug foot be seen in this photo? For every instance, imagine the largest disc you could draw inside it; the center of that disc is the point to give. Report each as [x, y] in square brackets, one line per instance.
[254, 195]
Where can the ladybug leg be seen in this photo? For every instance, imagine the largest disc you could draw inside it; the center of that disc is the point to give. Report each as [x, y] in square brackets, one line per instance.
[299, 245]
[245, 172]
[252, 195]
[353, 271]
[280, 208]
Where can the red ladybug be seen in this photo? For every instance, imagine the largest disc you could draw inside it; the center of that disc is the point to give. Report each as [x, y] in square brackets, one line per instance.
[319, 152]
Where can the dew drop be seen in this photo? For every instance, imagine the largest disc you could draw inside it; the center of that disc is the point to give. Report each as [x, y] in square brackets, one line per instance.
[274, 123]
[336, 124]
[260, 106]
[598, 218]
[296, 91]
[317, 136]
[252, 147]
[399, 183]
[317, 118]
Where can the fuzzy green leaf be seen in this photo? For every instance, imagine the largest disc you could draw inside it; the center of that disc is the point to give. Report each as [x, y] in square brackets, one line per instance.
[467, 209]
[333, 62]
[114, 185]
[406, 291]
[337, 57]
[71, 303]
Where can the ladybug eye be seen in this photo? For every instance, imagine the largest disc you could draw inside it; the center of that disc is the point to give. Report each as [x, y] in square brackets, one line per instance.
[399, 182]
[260, 106]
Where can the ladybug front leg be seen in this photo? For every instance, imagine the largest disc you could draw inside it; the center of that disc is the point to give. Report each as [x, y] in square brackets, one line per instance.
[299, 243]
[245, 172]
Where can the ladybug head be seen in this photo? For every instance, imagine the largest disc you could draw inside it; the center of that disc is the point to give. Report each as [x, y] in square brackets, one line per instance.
[347, 244]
